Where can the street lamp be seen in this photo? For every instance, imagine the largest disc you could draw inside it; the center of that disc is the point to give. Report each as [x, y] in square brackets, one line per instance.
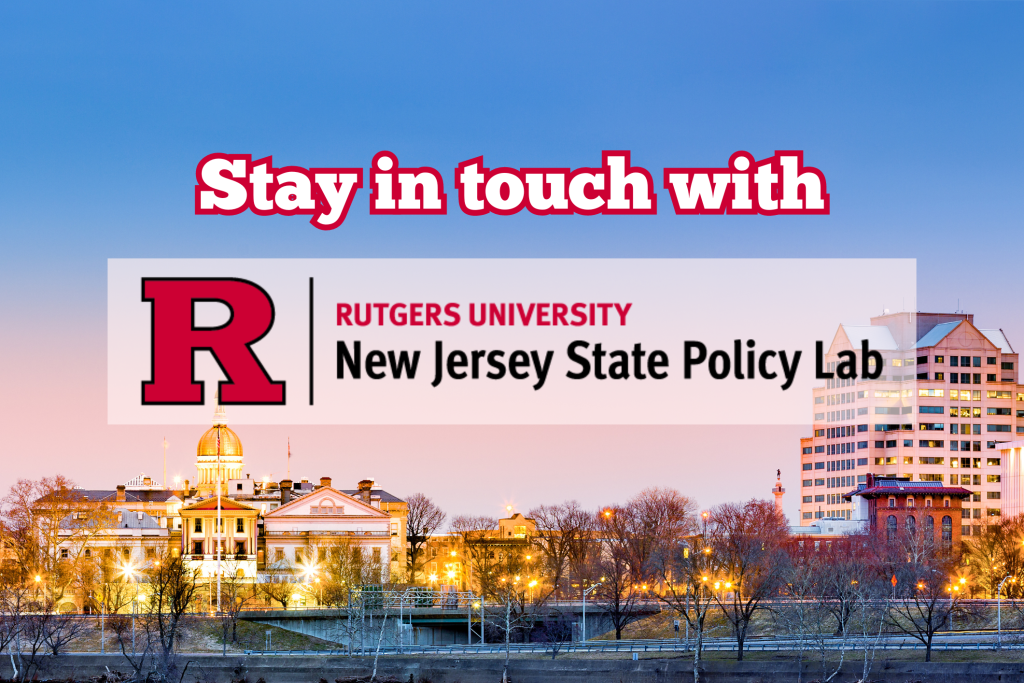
[999, 613]
[586, 592]
[128, 571]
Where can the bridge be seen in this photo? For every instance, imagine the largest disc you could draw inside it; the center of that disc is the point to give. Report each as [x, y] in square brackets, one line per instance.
[424, 620]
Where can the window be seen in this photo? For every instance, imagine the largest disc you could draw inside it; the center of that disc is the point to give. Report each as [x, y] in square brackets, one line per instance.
[819, 465]
[954, 361]
[807, 515]
[819, 482]
[879, 444]
[908, 460]
[819, 399]
[806, 450]
[808, 499]
[862, 428]
[819, 416]
[1007, 365]
[998, 428]
[238, 487]
[935, 410]
[926, 460]
[930, 477]
[965, 378]
[999, 394]
[932, 444]
[890, 523]
[240, 526]
[947, 530]
[990, 378]
[862, 444]
[932, 426]
[908, 443]
[198, 528]
[994, 462]
[127, 552]
[999, 411]
[808, 482]
[819, 432]
[819, 499]
[923, 375]
[992, 512]
[891, 443]
[940, 376]
[940, 359]
[990, 360]
[977, 361]
[921, 360]
[64, 553]
[897, 362]
[977, 377]
[976, 412]
[975, 395]
[953, 447]
[819, 449]
[807, 466]
[864, 461]
[993, 478]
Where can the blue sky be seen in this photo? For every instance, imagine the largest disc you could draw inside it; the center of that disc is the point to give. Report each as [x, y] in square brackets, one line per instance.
[911, 109]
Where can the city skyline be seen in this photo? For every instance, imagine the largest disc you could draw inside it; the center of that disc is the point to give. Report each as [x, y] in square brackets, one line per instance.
[909, 110]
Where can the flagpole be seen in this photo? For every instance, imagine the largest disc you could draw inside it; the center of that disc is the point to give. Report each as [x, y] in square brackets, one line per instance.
[220, 530]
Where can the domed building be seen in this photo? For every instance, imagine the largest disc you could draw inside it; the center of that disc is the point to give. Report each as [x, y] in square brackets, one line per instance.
[219, 453]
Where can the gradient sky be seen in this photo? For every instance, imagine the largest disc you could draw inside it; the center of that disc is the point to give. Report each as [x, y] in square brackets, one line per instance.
[912, 111]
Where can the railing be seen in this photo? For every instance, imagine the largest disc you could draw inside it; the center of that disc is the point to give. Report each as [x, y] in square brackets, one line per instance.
[306, 534]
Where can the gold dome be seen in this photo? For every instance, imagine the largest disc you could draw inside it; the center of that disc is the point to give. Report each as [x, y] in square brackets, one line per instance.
[230, 444]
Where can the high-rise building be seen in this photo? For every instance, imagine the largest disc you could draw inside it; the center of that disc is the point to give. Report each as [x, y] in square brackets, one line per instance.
[947, 397]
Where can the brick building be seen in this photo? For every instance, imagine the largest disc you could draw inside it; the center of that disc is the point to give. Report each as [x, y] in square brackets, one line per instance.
[892, 504]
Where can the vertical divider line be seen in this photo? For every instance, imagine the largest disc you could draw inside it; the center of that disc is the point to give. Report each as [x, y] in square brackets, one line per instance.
[311, 341]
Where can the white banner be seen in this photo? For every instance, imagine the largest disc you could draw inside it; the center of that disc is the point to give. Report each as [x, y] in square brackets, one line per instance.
[518, 338]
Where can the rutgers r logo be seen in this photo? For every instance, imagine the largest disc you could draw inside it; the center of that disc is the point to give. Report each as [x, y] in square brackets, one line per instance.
[175, 340]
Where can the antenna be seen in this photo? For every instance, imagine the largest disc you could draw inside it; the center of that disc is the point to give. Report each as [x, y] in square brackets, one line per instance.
[289, 457]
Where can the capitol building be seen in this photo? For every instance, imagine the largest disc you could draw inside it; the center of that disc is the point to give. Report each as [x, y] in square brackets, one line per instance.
[231, 523]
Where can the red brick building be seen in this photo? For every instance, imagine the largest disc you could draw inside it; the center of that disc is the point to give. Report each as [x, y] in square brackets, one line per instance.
[892, 504]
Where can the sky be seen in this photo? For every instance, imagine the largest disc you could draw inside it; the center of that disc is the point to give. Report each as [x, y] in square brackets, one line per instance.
[911, 109]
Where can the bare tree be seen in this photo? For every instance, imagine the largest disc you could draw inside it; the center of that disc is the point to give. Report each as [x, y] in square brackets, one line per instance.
[473, 532]
[424, 520]
[688, 568]
[49, 525]
[153, 640]
[237, 593]
[511, 615]
[928, 591]
[800, 615]
[620, 591]
[561, 531]
[277, 583]
[749, 539]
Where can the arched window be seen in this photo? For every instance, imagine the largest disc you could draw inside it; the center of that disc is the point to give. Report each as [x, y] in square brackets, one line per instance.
[890, 528]
[929, 528]
[947, 530]
[911, 525]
